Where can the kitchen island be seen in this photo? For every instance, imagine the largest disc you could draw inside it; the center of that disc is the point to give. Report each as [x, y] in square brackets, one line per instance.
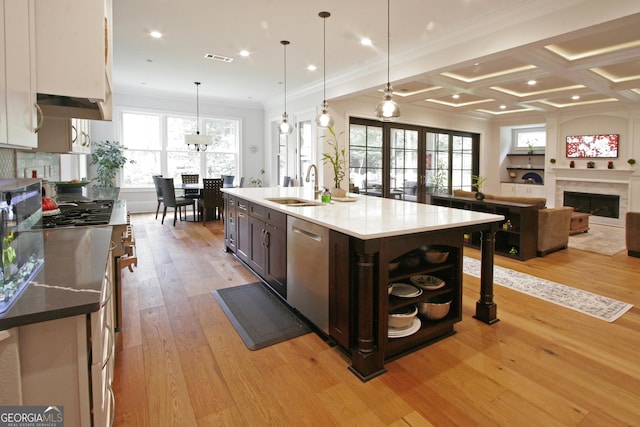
[371, 243]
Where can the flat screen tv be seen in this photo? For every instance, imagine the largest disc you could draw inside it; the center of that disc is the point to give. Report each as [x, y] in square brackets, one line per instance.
[593, 146]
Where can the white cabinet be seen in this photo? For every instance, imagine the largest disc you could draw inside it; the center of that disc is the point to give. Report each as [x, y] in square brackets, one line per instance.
[70, 361]
[73, 48]
[18, 114]
[522, 190]
[530, 190]
[508, 189]
[64, 135]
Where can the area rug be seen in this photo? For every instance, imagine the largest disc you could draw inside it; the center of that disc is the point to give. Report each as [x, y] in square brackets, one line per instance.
[602, 239]
[258, 316]
[595, 305]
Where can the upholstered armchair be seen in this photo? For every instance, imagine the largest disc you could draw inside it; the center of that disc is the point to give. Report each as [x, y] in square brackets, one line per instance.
[632, 230]
[553, 229]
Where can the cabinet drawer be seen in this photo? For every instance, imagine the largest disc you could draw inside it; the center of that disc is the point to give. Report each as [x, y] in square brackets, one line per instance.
[242, 205]
[258, 211]
[277, 219]
[232, 202]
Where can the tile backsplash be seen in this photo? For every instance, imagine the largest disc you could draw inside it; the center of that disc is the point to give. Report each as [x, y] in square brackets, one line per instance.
[20, 164]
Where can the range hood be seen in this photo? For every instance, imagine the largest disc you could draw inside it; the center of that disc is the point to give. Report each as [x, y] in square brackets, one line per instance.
[75, 108]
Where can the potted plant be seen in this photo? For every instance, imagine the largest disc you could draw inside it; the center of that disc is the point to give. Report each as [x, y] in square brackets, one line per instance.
[478, 181]
[109, 156]
[631, 162]
[257, 182]
[337, 159]
[552, 161]
[439, 178]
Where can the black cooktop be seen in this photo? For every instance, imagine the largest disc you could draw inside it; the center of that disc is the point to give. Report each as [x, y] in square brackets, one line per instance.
[78, 213]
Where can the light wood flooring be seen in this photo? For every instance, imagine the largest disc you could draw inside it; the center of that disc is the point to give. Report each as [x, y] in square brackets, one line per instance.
[180, 363]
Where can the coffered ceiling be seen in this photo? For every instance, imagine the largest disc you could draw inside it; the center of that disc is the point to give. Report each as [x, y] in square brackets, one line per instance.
[584, 66]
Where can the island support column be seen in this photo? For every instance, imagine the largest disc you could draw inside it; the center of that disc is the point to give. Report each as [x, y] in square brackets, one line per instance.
[486, 309]
[367, 357]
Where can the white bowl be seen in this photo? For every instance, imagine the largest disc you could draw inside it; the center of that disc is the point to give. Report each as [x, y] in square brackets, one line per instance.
[434, 310]
[402, 319]
[427, 282]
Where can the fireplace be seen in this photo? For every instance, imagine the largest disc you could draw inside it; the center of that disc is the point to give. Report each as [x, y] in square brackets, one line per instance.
[604, 205]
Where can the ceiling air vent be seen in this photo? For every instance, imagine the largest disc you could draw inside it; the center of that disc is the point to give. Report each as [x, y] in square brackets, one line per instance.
[218, 57]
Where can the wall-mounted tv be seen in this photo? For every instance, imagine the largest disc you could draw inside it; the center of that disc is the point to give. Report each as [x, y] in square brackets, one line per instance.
[594, 146]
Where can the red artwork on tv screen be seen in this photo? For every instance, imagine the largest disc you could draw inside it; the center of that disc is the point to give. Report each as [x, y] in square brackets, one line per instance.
[598, 146]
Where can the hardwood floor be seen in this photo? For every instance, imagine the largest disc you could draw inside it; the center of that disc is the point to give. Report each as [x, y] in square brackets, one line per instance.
[179, 361]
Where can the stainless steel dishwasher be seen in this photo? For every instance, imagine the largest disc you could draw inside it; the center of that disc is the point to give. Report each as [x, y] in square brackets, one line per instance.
[308, 270]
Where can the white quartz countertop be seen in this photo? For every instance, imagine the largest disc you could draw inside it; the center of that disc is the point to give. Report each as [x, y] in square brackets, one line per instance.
[367, 217]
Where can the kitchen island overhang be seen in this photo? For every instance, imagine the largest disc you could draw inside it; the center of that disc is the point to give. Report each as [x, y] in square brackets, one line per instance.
[365, 235]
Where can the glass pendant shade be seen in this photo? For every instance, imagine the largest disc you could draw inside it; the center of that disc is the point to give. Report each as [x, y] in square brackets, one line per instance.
[387, 109]
[324, 120]
[285, 128]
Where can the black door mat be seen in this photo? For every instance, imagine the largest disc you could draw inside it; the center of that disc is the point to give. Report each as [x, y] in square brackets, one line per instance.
[258, 316]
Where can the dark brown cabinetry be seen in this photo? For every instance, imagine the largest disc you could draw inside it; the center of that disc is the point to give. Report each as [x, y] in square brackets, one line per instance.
[517, 236]
[258, 236]
[230, 225]
[349, 303]
[243, 230]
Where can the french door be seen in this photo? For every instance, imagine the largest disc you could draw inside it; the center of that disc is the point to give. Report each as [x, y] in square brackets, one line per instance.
[410, 162]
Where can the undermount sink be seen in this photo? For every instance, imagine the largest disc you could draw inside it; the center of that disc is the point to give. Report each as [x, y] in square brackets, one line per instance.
[293, 201]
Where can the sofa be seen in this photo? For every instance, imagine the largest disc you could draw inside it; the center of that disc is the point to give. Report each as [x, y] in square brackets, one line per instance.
[553, 223]
[632, 233]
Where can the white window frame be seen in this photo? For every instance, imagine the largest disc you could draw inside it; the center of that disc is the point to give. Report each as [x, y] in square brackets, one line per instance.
[521, 137]
[164, 115]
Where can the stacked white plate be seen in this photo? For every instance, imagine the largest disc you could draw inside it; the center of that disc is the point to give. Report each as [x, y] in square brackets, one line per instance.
[405, 290]
[405, 332]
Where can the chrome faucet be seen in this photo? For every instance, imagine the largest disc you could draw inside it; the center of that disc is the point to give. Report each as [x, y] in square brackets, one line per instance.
[316, 191]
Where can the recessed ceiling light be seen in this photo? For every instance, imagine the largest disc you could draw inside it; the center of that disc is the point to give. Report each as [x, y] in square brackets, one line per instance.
[502, 107]
[531, 82]
[244, 53]
[156, 34]
[456, 96]
[575, 97]
[365, 41]
[312, 67]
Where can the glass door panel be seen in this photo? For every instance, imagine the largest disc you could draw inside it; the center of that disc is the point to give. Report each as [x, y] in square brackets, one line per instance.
[437, 162]
[403, 164]
[366, 158]
[305, 148]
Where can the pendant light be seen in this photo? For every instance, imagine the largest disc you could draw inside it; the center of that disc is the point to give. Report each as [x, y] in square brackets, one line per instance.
[324, 119]
[387, 109]
[197, 142]
[285, 127]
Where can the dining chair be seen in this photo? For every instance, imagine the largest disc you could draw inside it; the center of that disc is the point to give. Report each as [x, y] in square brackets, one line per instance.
[156, 183]
[211, 198]
[191, 178]
[171, 201]
[228, 180]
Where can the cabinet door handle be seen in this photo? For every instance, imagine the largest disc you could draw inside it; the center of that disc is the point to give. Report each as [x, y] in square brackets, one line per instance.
[40, 116]
[267, 239]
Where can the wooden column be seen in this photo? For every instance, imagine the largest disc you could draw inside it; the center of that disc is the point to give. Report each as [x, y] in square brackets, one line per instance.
[367, 357]
[486, 309]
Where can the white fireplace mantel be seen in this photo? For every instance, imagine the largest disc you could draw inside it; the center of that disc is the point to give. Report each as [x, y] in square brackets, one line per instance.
[622, 176]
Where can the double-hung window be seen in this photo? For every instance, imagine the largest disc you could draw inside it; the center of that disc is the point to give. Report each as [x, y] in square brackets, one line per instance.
[155, 141]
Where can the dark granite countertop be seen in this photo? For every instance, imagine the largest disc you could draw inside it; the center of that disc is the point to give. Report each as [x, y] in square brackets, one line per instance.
[70, 281]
